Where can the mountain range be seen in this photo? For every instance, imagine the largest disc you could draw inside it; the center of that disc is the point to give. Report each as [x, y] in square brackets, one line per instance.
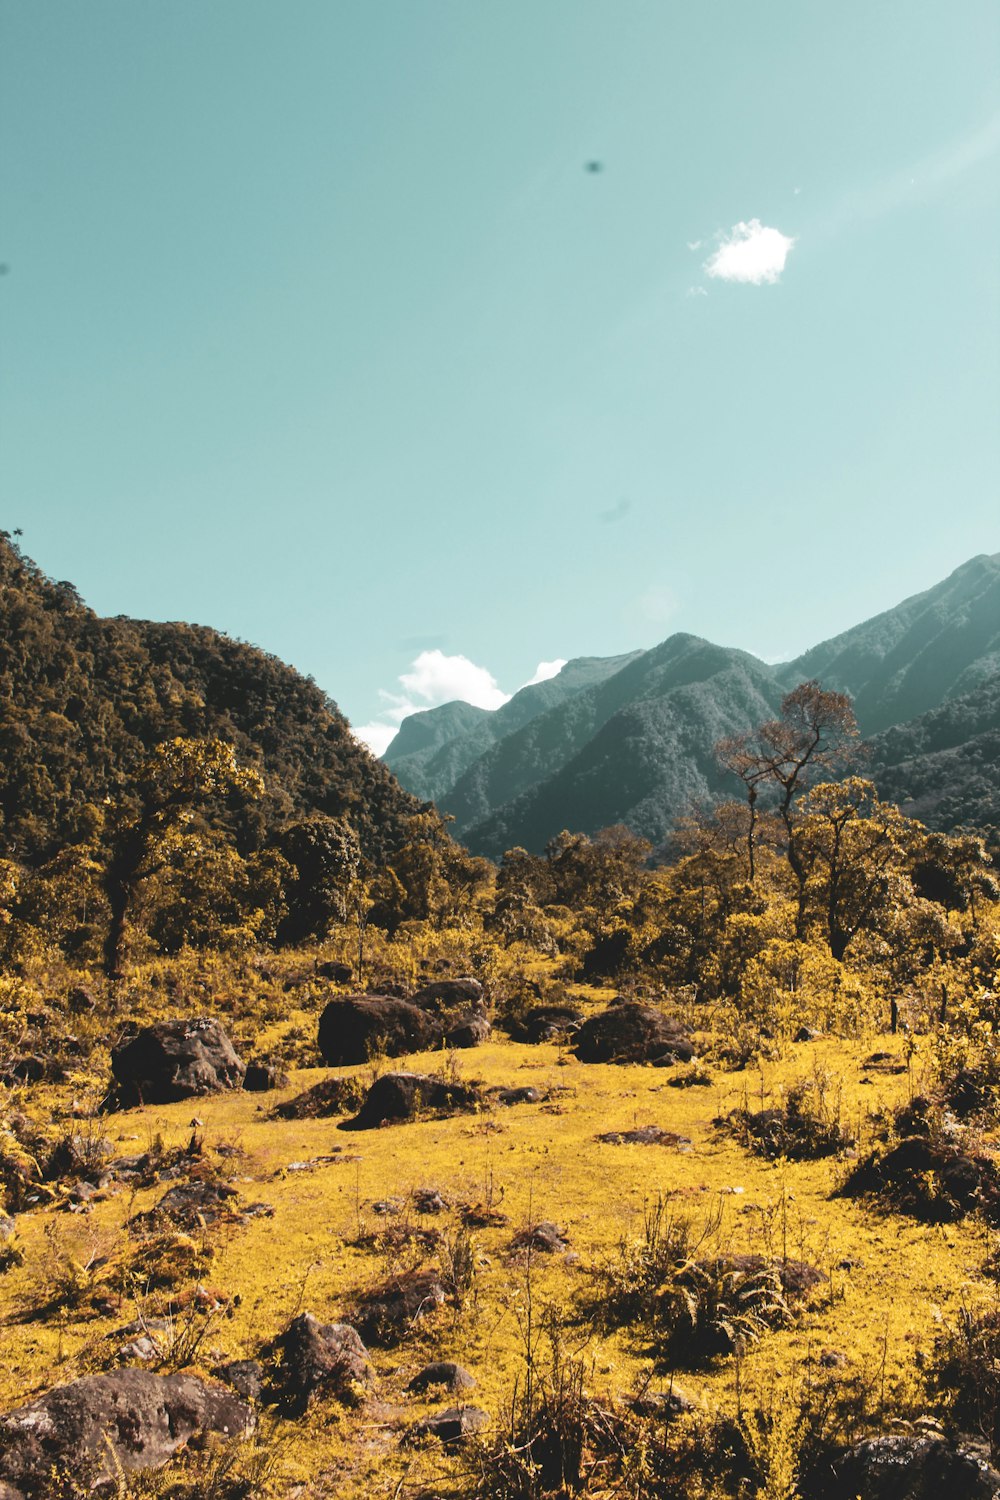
[628, 739]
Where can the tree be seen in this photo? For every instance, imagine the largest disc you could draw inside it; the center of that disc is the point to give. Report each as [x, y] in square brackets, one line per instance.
[815, 732]
[854, 849]
[145, 829]
[326, 856]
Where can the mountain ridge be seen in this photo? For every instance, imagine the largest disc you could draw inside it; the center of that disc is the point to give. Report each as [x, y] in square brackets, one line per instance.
[634, 747]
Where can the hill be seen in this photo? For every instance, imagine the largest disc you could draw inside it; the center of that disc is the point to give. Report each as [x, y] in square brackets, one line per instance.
[83, 699]
[633, 744]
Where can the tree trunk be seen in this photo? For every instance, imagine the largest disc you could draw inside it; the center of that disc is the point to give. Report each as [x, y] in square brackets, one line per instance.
[114, 943]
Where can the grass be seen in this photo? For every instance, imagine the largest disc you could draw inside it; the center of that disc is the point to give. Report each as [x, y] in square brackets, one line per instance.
[893, 1283]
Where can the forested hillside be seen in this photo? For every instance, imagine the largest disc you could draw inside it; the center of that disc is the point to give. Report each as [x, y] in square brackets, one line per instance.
[83, 700]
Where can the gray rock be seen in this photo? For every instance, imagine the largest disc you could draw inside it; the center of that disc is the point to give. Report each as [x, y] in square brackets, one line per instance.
[351, 1030]
[469, 1033]
[173, 1060]
[262, 1077]
[905, 1466]
[452, 1426]
[244, 1376]
[130, 1419]
[526, 1094]
[631, 1033]
[443, 1373]
[319, 1359]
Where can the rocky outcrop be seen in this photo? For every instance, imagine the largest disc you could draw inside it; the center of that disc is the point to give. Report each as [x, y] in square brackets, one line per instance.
[173, 1060]
[354, 1029]
[631, 1033]
[129, 1420]
[404, 1096]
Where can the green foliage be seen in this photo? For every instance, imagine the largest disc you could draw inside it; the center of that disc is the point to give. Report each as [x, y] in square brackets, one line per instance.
[84, 701]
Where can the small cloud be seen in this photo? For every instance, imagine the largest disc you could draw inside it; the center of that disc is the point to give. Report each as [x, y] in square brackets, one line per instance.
[696, 291]
[796, 192]
[438, 678]
[545, 670]
[751, 253]
[695, 244]
[433, 679]
[616, 512]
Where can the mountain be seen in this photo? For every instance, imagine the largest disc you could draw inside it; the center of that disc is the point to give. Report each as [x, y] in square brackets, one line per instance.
[942, 766]
[934, 646]
[633, 744]
[635, 751]
[433, 748]
[83, 699]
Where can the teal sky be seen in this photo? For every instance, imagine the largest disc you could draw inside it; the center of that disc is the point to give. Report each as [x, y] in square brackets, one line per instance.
[317, 329]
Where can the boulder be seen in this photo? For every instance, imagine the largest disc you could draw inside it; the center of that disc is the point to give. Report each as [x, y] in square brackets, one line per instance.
[451, 997]
[244, 1376]
[444, 1374]
[261, 1077]
[353, 1029]
[631, 1033]
[127, 1420]
[338, 973]
[469, 1033]
[390, 1311]
[452, 1426]
[544, 1023]
[316, 1359]
[173, 1060]
[404, 1096]
[545, 1236]
[910, 1466]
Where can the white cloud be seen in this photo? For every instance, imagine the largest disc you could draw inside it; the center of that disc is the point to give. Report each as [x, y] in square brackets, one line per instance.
[545, 670]
[751, 253]
[378, 737]
[434, 678]
[437, 678]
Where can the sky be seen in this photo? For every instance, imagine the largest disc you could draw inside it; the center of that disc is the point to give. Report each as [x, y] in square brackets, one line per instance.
[427, 344]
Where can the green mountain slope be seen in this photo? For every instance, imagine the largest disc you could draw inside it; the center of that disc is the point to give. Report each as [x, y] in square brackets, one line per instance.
[944, 767]
[934, 646]
[637, 750]
[636, 746]
[434, 748]
[82, 699]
